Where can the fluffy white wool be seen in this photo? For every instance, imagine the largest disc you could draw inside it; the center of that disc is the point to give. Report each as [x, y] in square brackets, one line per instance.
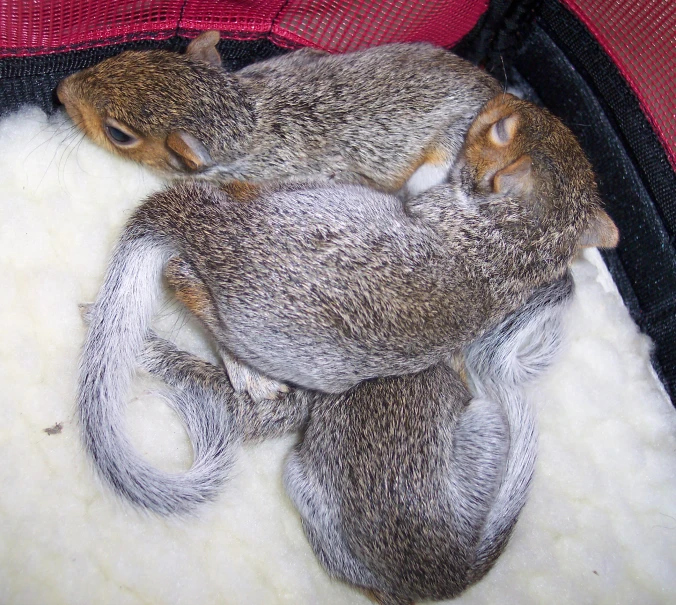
[600, 526]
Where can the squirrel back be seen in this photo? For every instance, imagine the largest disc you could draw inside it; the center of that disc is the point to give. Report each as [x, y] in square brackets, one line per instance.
[360, 284]
[410, 486]
[407, 486]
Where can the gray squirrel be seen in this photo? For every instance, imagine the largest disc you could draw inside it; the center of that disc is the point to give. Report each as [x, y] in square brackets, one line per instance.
[322, 287]
[343, 290]
[382, 117]
[407, 486]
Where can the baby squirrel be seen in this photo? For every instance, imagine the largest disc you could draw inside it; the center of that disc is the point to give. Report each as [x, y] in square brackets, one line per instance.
[373, 117]
[407, 486]
[323, 287]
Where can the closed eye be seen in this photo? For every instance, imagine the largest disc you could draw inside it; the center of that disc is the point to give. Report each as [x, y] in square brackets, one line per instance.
[118, 134]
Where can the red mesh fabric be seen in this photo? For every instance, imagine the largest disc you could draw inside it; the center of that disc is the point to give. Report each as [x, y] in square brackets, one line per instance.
[31, 28]
[344, 25]
[234, 19]
[640, 37]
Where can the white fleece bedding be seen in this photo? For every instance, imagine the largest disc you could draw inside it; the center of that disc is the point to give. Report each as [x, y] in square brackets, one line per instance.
[600, 526]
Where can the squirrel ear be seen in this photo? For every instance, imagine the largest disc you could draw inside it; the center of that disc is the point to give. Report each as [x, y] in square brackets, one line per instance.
[502, 132]
[203, 48]
[600, 233]
[194, 155]
[515, 178]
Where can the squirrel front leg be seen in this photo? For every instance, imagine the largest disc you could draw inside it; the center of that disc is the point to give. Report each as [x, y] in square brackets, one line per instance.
[190, 374]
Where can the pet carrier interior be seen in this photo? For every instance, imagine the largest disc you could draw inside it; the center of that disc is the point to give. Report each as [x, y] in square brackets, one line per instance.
[606, 68]
[600, 522]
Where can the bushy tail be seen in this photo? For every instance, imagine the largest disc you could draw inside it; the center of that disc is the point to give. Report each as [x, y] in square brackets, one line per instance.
[499, 365]
[119, 323]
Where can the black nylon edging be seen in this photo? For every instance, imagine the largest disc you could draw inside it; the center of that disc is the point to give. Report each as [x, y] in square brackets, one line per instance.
[33, 80]
[644, 265]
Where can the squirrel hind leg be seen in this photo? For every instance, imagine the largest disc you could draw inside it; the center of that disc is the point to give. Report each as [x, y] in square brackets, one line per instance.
[246, 379]
[193, 293]
[321, 519]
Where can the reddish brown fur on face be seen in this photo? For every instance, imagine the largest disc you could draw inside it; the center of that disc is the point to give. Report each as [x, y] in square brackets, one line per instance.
[517, 148]
[82, 114]
[152, 94]
[485, 154]
[150, 150]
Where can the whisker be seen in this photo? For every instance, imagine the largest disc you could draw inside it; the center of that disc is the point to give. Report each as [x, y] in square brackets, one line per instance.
[46, 141]
[504, 71]
[65, 156]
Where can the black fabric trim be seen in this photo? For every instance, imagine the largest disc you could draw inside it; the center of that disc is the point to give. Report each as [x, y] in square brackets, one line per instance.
[576, 80]
[33, 80]
[498, 33]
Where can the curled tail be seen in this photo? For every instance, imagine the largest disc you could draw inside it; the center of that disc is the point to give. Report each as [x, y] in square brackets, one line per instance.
[500, 364]
[119, 324]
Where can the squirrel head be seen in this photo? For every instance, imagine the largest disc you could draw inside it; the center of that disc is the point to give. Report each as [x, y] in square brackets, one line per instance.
[521, 153]
[175, 113]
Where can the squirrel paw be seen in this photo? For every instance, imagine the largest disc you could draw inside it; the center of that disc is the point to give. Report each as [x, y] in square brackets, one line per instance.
[261, 388]
[244, 379]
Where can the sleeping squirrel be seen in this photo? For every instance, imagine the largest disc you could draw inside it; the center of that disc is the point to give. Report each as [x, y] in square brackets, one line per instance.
[363, 302]
[407, 486]
[382, 117]
[325, 286]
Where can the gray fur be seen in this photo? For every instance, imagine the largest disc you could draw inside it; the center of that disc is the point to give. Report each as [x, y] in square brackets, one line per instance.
[366, 117]
[247, 419]
[369, 117]
[306, 298]
[407, 486]
[106, 369]
[325, 286]
[499, 364]
[325, 306]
